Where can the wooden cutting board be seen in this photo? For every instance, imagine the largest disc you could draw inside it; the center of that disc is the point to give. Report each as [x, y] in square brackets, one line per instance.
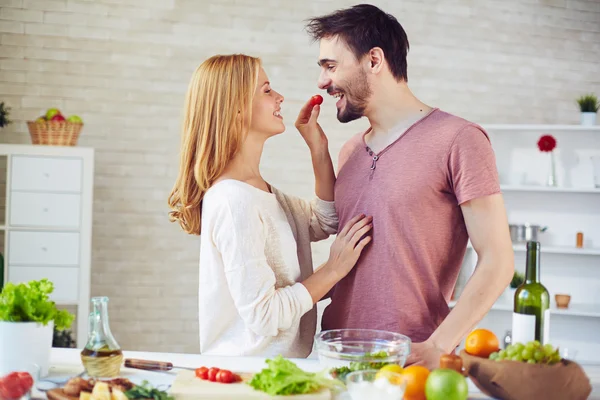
[188, 387]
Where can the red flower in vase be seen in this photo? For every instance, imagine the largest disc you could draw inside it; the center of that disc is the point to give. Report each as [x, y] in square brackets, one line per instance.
[546, 143]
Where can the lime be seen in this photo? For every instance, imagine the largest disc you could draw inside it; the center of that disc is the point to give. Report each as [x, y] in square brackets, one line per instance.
[446, 384]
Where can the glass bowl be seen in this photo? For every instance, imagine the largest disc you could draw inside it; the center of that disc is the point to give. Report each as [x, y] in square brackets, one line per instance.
[367, 384]
[340, 347]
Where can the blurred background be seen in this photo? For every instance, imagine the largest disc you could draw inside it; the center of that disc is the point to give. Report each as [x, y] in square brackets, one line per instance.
[123, 67]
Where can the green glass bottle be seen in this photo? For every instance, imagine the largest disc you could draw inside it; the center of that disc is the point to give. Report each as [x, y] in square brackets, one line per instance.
[531, 313]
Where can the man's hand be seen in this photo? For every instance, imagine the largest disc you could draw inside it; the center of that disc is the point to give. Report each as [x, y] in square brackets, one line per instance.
[309, 128]
[426, 354]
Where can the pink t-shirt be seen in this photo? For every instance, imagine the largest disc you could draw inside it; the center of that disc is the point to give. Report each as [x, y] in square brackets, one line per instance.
[405, 276]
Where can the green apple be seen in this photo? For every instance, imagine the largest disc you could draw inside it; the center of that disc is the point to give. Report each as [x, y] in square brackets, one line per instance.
[446, 384]
[75, 118]
[51, 113]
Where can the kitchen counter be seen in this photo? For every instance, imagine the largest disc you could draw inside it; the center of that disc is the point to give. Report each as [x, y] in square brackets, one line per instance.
[66, 363]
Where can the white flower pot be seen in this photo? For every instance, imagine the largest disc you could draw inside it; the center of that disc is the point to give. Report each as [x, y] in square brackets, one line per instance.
[588, 118]
[25, 346]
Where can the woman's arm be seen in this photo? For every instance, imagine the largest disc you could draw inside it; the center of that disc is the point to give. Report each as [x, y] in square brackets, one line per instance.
[240, 237]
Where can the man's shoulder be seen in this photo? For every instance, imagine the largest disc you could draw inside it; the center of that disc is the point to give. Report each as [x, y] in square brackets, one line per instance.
[454, 124]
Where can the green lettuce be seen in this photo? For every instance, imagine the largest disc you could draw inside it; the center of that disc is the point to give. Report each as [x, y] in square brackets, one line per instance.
[29, 302]
[283, 377]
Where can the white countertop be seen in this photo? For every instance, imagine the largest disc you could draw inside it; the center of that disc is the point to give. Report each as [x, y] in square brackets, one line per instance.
[65, 363]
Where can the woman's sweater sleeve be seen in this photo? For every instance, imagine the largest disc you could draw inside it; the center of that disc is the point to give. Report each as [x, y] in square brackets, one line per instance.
[240, 235]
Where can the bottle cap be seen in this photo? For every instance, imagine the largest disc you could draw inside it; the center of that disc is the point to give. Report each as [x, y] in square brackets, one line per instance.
[533, 245]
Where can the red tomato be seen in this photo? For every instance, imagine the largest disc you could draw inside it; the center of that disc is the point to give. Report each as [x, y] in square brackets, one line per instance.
[11, 387]
[26, 381]
[225, 376]
[202, 373]
[212, 374]
[316, 99]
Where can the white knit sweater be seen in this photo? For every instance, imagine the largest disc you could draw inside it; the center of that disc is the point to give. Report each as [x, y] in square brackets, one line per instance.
[254, 252]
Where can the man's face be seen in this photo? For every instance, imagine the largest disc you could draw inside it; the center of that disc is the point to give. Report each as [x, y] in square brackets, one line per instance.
[343, 76]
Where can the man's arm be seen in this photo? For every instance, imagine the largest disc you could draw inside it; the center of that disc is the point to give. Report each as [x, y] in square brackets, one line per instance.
[487, 226]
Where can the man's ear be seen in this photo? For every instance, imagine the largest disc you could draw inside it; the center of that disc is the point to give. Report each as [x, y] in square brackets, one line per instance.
[376, 58]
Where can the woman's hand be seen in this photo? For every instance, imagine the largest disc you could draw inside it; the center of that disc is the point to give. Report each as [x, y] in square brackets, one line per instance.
[349, 244]
[309, 128]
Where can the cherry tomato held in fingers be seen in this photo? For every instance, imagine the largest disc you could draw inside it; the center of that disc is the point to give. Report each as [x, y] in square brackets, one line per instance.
[202, 373]
[212, 374]
[317, 99]
[225, 376]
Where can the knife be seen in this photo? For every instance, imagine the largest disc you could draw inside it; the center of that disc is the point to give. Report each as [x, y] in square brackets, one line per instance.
[152, 365]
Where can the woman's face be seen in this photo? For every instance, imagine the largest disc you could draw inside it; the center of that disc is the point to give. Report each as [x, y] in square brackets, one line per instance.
[266, 109]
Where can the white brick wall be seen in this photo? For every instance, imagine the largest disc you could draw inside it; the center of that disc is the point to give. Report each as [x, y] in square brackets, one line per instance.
[123, 65]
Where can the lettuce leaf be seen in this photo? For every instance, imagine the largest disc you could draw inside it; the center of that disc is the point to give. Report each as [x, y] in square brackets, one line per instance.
[29, 302]
[283, 377]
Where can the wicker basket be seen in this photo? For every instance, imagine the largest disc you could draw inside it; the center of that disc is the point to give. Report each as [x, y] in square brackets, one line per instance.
[54, 133]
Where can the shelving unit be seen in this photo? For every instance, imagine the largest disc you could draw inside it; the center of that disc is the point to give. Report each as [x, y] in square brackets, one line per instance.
[570, 207]
[574, 310]
[550, 189]
[557, 250]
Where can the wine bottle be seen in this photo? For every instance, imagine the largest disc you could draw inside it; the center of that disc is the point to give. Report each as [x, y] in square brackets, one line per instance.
[531, 312]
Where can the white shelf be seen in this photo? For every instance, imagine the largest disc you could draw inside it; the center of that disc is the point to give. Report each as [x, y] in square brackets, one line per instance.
[556, 250]
[576, 310]
[543, 127]
[523, 188]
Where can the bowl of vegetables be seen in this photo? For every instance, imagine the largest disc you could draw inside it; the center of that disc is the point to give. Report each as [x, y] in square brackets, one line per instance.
[346, 350]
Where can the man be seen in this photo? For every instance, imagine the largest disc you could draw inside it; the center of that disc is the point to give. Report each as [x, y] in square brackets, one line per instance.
[429, 180]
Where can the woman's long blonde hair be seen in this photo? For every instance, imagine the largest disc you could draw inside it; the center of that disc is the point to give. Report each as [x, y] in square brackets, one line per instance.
[216, 116]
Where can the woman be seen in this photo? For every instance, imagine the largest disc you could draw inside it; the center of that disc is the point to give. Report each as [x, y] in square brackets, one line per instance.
[257, 287]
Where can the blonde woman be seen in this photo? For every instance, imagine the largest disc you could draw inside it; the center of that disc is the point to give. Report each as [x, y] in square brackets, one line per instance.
[257, 286]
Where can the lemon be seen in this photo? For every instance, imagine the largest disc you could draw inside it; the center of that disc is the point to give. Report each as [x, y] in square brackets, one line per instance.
[389, 371]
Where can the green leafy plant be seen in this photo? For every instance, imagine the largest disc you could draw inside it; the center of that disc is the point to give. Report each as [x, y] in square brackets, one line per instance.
[4, 112]
[283, 377]
[146, 391]
[29, 302]
[588, 103]
[62, 339]
[341, 372]
[517, 280]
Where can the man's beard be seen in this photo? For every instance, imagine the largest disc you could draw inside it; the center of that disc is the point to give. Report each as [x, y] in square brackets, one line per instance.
[359, 91]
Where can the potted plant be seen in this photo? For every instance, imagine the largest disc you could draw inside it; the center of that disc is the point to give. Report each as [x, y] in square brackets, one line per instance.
[588, 104]
[4, 112]
[517, 279]
[27, 321]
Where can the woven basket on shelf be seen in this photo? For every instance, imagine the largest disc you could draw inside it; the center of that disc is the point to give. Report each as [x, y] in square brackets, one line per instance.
[54, 133]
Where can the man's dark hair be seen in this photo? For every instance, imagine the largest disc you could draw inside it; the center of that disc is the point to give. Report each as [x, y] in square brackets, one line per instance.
[363, 27]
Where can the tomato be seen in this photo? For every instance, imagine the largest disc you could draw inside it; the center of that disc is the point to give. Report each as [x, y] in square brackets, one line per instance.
[212, 374]
[316, 99]
[15, 385]
[202, 373]
[225, 376]
[26, 381]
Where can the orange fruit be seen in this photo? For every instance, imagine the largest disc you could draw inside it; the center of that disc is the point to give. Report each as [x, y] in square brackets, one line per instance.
[481, 343]
[415, 377]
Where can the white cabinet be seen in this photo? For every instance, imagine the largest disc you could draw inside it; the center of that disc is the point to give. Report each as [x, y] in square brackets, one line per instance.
[48, 221]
